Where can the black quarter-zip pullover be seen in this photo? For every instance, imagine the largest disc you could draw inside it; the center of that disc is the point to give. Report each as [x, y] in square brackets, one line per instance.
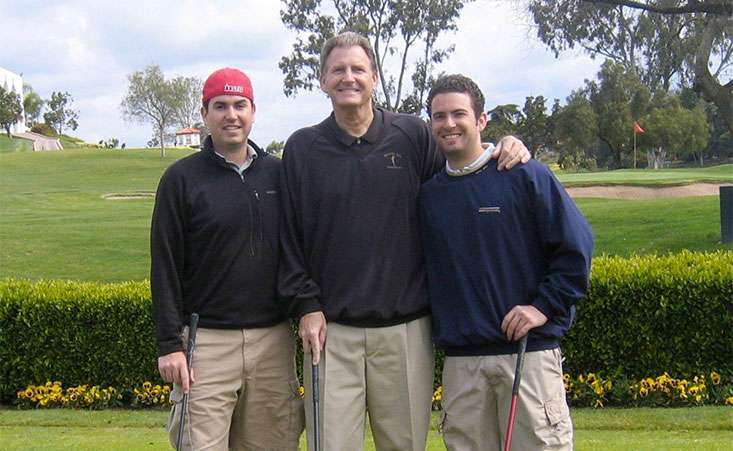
[214, 245]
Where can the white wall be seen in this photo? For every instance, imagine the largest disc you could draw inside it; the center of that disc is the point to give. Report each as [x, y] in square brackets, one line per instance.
[13, 82]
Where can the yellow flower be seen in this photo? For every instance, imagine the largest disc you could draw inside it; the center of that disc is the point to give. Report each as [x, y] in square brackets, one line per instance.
[729, 401]
[715, 378]
[301, 391]
[147, 385]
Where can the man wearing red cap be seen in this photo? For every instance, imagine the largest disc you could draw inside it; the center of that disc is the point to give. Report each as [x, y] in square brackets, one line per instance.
[352, 259]
[214, 251]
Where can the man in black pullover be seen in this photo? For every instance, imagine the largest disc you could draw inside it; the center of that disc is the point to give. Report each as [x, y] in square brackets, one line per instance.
[507, 254]
[214, 251]
[352, 260]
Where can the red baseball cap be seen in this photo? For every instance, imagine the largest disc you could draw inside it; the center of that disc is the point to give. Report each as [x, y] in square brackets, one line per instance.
[227, 81]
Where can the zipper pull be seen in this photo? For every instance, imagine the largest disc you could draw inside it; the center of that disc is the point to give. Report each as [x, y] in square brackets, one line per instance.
[257, 195]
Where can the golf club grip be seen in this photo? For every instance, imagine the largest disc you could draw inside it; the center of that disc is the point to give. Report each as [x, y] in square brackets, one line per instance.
[192, 339]
[520, 364]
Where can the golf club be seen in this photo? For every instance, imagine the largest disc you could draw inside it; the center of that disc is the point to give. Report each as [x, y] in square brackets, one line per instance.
[189, 359]
[316, 409]
[515, 393]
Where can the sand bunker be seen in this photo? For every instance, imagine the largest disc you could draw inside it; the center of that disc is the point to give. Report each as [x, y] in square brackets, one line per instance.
[641, 192]
[129, 196]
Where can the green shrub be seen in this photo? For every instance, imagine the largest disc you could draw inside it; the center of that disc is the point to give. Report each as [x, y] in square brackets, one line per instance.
[655, 314]
[644, 315]
[44, 129]
[75, 333]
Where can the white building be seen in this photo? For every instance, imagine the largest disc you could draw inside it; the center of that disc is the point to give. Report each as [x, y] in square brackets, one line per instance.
[14, 82]
[188, 137]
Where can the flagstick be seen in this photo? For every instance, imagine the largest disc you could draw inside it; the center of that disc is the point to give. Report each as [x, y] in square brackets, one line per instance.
[634, 131]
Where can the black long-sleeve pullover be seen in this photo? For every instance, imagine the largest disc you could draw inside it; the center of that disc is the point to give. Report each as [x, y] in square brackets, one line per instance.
[349, 234]
[214, 246]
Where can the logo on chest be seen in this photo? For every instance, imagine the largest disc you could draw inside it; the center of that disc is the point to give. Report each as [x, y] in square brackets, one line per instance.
[394, 160]
[489, 210]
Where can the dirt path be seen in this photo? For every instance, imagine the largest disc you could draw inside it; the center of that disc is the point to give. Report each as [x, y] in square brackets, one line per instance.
[640, 192]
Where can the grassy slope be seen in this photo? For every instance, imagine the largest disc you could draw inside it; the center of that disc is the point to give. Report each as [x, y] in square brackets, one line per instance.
[54, 222]
[709, 428]
[14, 144]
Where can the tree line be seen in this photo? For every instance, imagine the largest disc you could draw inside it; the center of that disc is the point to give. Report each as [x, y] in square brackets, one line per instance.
[664, 65]
[664, 70]
[58, 115]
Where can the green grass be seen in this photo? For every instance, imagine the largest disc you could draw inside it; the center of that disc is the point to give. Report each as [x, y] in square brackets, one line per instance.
[709, 428]
[54, 222]
[626, 227]
[650, 177]
[14, 144]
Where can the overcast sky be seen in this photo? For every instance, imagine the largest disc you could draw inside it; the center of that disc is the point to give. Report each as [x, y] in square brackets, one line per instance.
[88, 47]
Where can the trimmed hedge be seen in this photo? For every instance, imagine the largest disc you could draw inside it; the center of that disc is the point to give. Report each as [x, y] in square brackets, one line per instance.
[655, 314]
[76, 333]
[644, 315]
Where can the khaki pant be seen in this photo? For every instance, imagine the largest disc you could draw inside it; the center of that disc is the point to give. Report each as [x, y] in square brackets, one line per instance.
[245, 395]
[385, 371]
[477, 394]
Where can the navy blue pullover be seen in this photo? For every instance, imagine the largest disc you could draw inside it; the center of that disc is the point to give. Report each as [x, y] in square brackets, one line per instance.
[494, 240]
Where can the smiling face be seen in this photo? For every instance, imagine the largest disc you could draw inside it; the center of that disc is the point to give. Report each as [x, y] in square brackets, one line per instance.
[229, 118]
[348, 78]
[455, 126]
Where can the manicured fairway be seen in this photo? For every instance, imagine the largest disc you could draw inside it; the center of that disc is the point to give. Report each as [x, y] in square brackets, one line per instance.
[708, 428]
[55, 222]
[650, 177]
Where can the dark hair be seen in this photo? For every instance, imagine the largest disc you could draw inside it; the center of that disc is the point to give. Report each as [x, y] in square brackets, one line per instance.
[348, 39]
[457, 83]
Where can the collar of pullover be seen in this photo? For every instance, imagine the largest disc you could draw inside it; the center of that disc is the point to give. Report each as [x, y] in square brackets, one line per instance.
[371, 136]
[473, 166]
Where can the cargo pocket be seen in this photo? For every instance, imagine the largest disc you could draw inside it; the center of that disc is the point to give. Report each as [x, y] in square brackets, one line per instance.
[558, 430]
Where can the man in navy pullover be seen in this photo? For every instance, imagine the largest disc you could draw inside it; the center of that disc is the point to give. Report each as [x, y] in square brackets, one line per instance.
[507, 254]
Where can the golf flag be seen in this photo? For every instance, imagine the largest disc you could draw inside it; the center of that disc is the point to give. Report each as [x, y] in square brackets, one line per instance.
[637, 128]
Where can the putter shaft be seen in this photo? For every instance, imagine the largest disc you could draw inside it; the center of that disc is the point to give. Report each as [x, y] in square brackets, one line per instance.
[515, 393]
[316, 408]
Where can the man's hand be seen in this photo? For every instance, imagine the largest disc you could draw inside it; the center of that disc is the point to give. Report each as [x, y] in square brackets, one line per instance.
[510, 151]
[173, 368]
[520, 320]
[312, 331]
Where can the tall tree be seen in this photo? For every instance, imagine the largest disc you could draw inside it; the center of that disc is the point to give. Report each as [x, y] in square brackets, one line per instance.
[533, 128]
[150, 98]
[619, 98]
[672, 131]
[32, 105]
[666, 41]
[60, 115]
[397, 29]
[10, 109]
[187, 91]
[575, 132]
[503, 120]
